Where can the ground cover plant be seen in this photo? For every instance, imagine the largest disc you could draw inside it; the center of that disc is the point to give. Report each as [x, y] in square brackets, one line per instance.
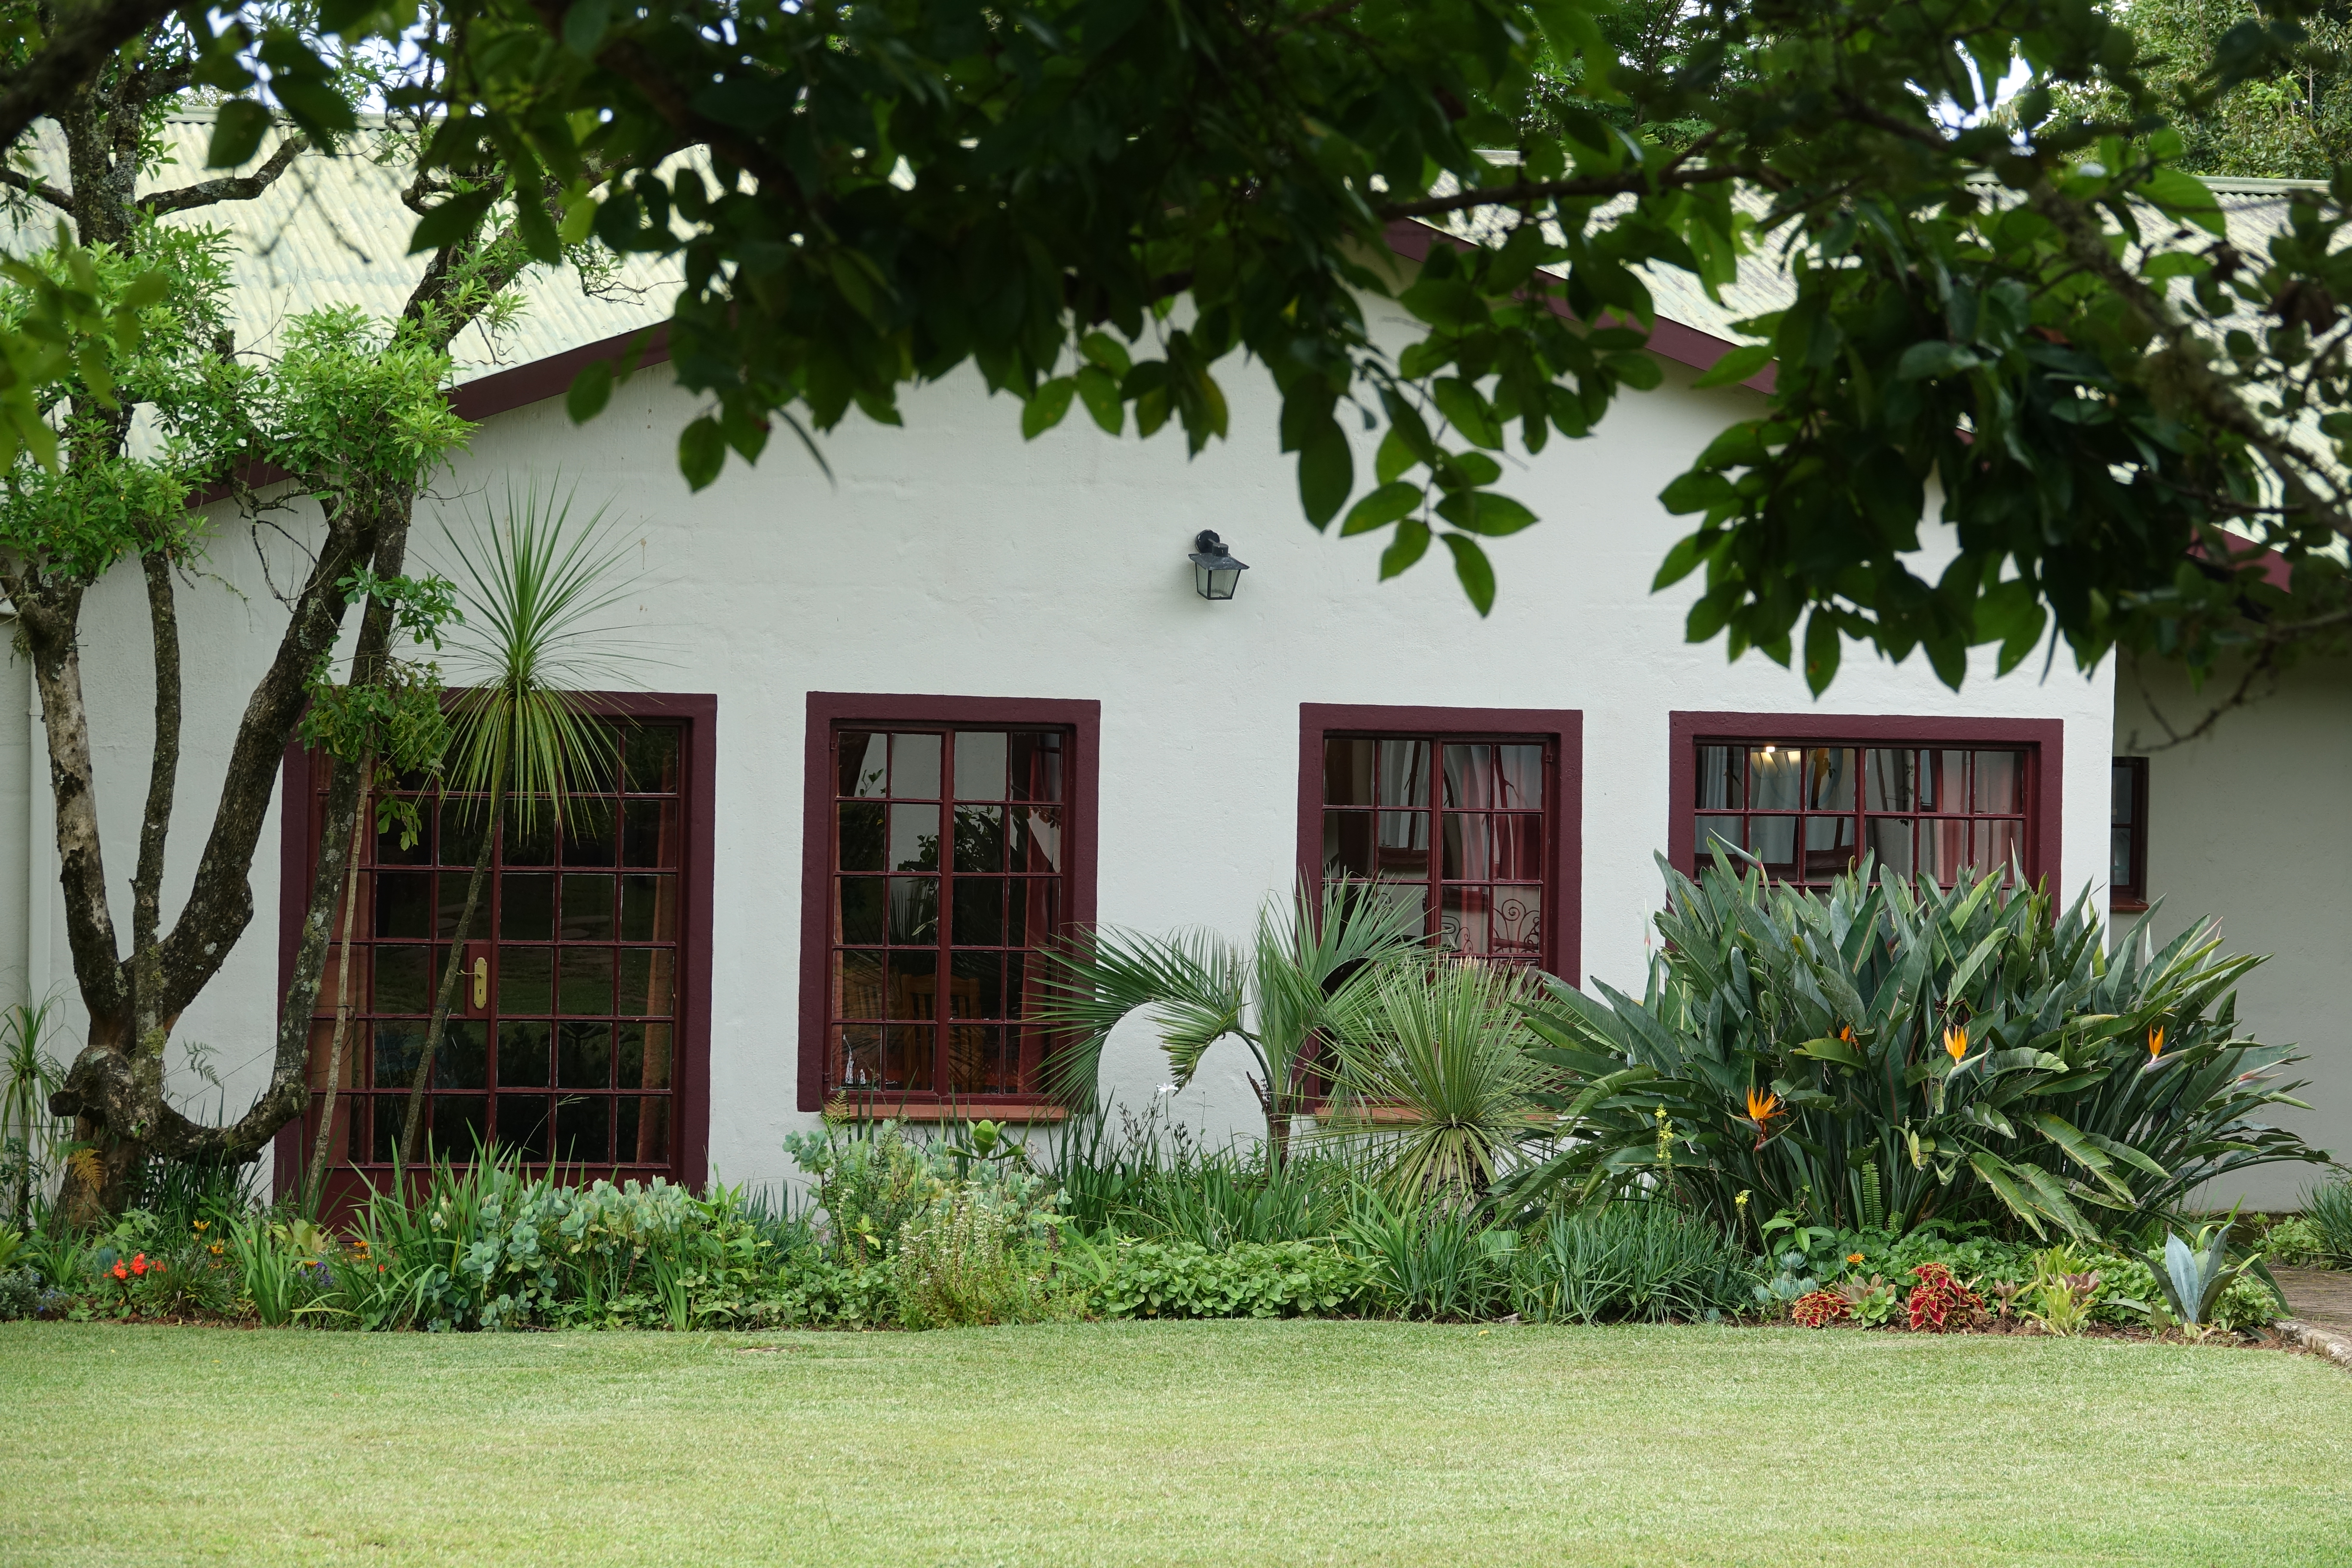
[1169, 1443]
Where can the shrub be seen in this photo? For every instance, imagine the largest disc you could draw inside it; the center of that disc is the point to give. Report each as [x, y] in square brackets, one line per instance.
[20, 1293]
[1432, 1262]
[1647, 1261]
[2328, 1208]
[1895, 1052]
[870, 1181]
[1820, 1309]
[976, 1255]
[1251, 1279]
[1938, 1299]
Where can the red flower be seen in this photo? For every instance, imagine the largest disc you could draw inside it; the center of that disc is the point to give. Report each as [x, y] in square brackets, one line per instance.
[139, 1263]
[120, 1271]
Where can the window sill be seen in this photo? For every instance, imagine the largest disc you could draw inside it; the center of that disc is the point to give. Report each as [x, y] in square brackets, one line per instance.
[2128, 906]
[869, 1107]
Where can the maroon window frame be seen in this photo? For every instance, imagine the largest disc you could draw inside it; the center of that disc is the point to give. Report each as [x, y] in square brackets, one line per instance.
[827, 1056]
[688, 957]
[1560, 732]
[2127, 835]
[2043, 742]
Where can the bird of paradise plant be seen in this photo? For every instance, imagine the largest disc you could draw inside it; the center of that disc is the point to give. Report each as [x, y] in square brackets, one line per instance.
[1761, 1109]
[2050, 1115]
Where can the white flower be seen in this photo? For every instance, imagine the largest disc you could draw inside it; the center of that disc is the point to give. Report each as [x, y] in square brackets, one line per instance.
[1167, 1088]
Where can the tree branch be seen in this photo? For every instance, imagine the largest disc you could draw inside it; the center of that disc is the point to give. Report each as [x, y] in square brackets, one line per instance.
[162, 777]
[1635, 182]
[229, 188]
[61, 200]
[75, 52]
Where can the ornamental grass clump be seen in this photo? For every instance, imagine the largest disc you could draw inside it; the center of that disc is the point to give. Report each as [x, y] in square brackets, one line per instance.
[1891, 1052]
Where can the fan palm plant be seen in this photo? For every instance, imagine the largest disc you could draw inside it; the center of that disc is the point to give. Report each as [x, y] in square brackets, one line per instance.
[1309, 960]
[536, 585]
[28, 1133]
[1431, 1072]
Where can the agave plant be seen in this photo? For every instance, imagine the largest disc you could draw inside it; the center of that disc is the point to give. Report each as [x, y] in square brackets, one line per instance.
[536, 585]
[1430, 1070]
[1953, 1053]
[1310, 959]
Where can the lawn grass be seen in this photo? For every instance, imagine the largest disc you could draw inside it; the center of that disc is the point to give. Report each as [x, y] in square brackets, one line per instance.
[1207, 1443]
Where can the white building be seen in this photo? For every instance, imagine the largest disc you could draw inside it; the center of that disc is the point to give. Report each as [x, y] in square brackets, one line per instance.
[1091, 737]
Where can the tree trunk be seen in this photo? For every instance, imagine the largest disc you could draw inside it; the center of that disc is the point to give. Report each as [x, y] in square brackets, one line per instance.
[317, 1187]
[412, 1127]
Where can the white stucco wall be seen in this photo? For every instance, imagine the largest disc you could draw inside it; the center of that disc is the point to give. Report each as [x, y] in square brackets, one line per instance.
[949, 557]
[2244, 825]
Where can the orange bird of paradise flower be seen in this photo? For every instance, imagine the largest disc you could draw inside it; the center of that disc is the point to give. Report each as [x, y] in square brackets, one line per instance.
[1761, 1108]
[2156, 1042]
[1956, 1043]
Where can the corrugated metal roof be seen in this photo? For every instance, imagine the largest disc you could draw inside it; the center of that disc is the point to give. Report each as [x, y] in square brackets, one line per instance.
[332, 231]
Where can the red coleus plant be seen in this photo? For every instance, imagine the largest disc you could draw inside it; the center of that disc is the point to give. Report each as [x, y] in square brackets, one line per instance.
[1820, 1309]
[1939, 1296]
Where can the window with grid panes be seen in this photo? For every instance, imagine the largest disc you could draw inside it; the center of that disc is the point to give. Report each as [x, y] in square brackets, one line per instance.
[2127, 833]
[949, 876]
[1807, 810]
[1451, 827]
[570, 1056]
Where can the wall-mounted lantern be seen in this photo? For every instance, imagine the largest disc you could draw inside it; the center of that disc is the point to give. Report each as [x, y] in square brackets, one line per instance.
[1214, 571]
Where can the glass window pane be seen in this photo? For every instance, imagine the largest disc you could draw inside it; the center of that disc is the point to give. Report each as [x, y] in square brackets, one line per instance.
[862, 764]
[1469, 851]
[976, 986]
[526, 837]
[1518, 777]
[914, 838]
[589, 826]
[647, 981]
[914, 984]
[1348, 771]
[1890, 780]
[915, 767]
[1943, 781]
[1889, 838]
[2121, 793]
[1773, 840]
[650, 753]
[858, 985]
[525, 1046]
[975, 1059]
[403, 903]
[1020, 976]
[1829, 847]
[1403, 846]
[1496, 923]
[979, 912]
[1036, 767]
[1998, 847]
[980, 839]
[526, 979]
[583, 1055]
[461, 830]
[1469, 777]
[393, 1062]
[464, 1059]
[526, 907]
[907, 1057]
[1775, 777]
[1033, 911]
[914, 912]
[1710, 832]
[1402, 772]
[979, 756]
[1347, 844]
[461, 1123]
[1722, 778]
[587, 908]
[642, 1057]
[858, 1057]
[1829, 778]
[584, 1130]
[2119, 866]
[1518, 846]
[1944, 849]
[649, 907]
[587, 980]
[1034, 839]
[403, 980]
[641, 1129]
[388, 851]
[650, 833]
[523, 1127]
[1999, 782]
[861, 846]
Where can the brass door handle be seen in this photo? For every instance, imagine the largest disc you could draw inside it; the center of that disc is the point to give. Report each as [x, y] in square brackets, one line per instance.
[482, 982]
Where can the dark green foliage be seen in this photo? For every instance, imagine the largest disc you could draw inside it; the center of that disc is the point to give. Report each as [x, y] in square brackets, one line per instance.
[1644, 1261]
[1130, 1279]
[2329, 1207]
[1788, 1043]
[1432, 1262]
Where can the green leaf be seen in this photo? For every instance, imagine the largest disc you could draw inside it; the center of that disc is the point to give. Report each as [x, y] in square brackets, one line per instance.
[583, 26]
[1832, 1049]
[1046, 407]
[1099, 390]
[1679, 563]
[1102, 349]
[1327, 472]
[1394, 457]
[1477, 573]
[1411, 544]
[1697, 491]
[1447, 302]
[590, 391]
[451, 222]
[1822, 648]
[1932, 359]
[237, 131]
[1383, 506]
[1482, 511]
[1467, 412]
[2183, 194]
[1737, 365]
[701, 452]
